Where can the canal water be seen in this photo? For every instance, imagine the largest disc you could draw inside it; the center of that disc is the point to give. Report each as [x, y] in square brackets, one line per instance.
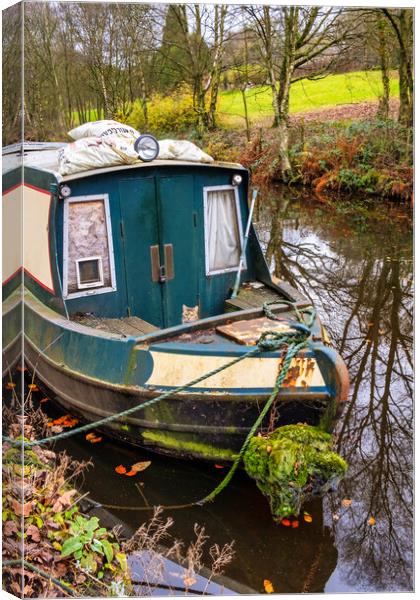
[354, 261]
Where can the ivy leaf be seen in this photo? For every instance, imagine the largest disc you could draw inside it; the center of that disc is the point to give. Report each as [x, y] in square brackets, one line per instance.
[97, 546]
[108, 549]
[70, 546]
[92, 524]
[122, 559]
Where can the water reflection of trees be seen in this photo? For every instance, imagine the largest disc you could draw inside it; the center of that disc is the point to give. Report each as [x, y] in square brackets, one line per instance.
[361, 281]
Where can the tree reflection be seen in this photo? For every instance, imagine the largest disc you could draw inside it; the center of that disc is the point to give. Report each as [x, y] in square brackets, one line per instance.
[358, 273]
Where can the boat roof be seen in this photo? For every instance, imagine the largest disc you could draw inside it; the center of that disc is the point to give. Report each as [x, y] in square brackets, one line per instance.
[44, 156]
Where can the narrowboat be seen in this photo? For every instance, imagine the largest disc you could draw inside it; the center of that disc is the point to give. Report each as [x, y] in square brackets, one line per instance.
[127, 284]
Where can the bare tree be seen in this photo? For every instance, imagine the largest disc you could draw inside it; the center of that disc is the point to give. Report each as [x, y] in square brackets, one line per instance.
[297, 42]
[401, 21]
[12, 67]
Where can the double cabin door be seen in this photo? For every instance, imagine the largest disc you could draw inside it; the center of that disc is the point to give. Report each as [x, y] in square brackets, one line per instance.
[158, 229]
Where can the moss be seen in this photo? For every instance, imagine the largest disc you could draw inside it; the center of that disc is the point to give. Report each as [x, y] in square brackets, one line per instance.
[292, 464]
[131, 366]
[183, 446]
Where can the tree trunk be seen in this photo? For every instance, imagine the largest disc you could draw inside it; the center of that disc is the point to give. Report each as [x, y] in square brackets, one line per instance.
[406, 68]
[270, 63]
[383, 108]
[248, 130]
[291, 23]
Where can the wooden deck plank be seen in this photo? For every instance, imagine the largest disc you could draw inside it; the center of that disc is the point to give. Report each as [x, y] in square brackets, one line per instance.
[250, 297]
[132, 326]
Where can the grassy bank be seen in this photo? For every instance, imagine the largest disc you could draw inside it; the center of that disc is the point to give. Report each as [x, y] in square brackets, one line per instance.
[306, 95]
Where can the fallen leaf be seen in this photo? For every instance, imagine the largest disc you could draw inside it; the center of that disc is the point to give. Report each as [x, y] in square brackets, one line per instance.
[9, 528]
[33, 387]
[22, 509]
[268, 586]
[10, 385]
[218, 466]
[295, 524]
[95, 440]
[189, 581]
[131, 473]
[43, 400]
[285, 522]
[372, 521]
[63, 501]
[27, 590]
[120, 469]
[346, 502]
[33, 532]
[16, 588]
[90, 436]
[307, 517]
[141, 466]
[56, 428]
[60, 569]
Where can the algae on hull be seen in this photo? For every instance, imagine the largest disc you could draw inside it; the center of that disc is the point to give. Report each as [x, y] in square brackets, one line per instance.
[292, 464]
[187, 446]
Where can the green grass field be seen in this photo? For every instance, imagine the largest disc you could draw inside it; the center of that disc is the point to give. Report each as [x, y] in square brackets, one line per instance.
[305, 95]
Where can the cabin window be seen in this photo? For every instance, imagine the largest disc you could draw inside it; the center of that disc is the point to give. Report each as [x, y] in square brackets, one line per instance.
[88, 251]
[223, 230]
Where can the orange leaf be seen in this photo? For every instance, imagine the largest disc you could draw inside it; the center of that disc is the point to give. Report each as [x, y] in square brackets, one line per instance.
[295, 524]
[218, 466]
[50, 424]
[268, 586]
[372, 521]
[10, 385]
[307, 517]
[285, 522]
[33, 387]
[43, 400]
[90, 436]
[131, 473]
[189, 581]
[95, 440]
[141, 466]
[121, 470]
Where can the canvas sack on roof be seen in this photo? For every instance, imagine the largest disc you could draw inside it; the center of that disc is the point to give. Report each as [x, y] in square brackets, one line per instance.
[95, 153]
[103, 128]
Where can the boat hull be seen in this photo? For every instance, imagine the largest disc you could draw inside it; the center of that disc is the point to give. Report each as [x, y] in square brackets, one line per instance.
[205, 426]
[96, 374]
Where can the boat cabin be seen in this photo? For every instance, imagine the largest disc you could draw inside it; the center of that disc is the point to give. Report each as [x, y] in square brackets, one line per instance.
[156, 242]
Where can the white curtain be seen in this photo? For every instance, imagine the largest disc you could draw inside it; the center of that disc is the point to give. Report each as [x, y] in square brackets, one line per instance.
[223, 245]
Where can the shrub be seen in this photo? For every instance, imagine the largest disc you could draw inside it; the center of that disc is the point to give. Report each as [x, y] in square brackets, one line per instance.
[167, 114]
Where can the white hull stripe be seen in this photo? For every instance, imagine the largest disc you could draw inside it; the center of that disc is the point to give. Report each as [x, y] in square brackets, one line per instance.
[172, 370]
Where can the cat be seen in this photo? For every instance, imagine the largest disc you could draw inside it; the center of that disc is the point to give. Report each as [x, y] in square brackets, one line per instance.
[189, 313]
